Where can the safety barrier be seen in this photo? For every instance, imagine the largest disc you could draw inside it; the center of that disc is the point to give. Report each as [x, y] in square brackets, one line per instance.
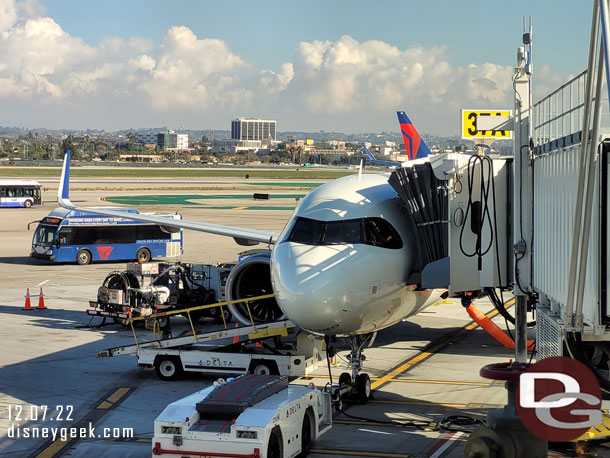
[28, 303]
[188, 311]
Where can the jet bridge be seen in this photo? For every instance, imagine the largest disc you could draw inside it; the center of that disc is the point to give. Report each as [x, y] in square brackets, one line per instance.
[555, 165]
[459, 205]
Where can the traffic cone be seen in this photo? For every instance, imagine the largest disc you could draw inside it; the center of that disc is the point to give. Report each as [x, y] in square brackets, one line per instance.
[28, 304]
[41, 301]
[236, 338]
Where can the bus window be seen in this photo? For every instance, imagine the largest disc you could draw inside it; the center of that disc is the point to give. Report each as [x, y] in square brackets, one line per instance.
[66, 236]
[44, 235]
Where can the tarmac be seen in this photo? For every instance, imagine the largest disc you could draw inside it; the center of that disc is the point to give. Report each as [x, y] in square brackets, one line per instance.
[423, 370]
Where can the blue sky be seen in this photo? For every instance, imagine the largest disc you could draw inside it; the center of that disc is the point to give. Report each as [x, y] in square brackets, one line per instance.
[332, 65]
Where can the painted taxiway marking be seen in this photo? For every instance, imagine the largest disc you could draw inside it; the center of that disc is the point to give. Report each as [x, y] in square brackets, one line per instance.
[306, 380]
[321, 451]
[109, 402]
[239, 208]
[432, 349]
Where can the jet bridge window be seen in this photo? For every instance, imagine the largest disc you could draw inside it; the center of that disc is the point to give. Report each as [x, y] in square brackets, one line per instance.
[370, 231]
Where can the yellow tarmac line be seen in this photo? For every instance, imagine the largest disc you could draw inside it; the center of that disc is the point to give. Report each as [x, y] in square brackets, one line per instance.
[107, 403]
[358, 453]
[114, 397]
[409, 363]
[240, 208]
[437, 382]
[420, 403]
[53, 449]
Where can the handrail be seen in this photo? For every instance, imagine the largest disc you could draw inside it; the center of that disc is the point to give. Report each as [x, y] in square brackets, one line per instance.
[188, 311]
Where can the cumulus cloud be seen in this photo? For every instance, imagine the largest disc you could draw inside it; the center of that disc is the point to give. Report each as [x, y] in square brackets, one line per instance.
[187, 79]
[347, 75]
[193, 72]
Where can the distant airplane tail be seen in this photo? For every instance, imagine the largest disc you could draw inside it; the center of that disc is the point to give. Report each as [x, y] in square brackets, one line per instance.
[414, 145]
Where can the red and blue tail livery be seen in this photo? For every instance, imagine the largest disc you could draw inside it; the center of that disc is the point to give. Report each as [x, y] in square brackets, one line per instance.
[414, 145]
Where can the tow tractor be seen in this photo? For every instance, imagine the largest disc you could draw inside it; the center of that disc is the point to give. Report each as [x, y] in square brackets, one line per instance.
[250, 416]
[256, 349]
[144, 289]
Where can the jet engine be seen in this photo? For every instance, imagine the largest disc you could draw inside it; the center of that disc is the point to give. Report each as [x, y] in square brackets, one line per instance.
[250, 278]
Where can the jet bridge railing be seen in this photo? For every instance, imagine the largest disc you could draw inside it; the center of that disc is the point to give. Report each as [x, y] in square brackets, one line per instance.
[558, 117]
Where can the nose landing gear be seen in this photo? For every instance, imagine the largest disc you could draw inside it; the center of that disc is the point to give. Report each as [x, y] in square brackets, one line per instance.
[356, 386]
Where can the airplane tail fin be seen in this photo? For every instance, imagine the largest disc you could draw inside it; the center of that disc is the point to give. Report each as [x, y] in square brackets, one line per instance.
[63, 191]
[414, 145]
[368, 153]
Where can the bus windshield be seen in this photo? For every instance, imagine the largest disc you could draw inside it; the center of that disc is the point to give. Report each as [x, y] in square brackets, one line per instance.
[44, 235]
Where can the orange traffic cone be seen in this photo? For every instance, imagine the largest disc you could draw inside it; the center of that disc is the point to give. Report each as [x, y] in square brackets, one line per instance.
[41, 301]
[236, 338]
[259, 345]
[28, 304]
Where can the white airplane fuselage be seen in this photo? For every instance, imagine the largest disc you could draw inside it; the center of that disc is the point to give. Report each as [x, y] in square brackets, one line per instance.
[343, 288]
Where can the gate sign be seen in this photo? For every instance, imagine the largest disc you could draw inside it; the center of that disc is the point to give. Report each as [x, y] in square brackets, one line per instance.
[471, 128]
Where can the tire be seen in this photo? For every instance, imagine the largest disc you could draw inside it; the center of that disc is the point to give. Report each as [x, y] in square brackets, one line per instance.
[143, 255]
[262, 367]
[274, 446]
[83, 257]
[363, 388]
[345, 379]
[163, 321]
[168, 367]
[305, 436]
[27, 204]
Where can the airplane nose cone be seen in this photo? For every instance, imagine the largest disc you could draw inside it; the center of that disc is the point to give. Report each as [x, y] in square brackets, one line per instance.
[315, 286]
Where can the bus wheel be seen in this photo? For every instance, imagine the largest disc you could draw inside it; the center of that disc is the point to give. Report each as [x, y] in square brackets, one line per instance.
[27, 204]
[83, 257]
[143, 255]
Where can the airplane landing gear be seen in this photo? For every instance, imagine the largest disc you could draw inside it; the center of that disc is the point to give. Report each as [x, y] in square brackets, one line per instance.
[355, 385]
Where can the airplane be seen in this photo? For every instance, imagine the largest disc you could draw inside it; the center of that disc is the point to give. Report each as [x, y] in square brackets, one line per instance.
[339, 268]
[415, 146]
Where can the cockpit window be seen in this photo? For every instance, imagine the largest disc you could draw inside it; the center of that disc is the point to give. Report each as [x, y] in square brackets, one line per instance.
[369, 231]
[307, 231]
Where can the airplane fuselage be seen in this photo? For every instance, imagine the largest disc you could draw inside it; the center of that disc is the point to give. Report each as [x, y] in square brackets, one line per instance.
[341, 264]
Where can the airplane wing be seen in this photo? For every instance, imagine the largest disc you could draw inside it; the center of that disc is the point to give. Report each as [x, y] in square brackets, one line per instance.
[374, 160]
[242, 236]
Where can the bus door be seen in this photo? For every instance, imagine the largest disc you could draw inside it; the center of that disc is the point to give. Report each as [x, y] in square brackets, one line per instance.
[65, 250]
[37, 196]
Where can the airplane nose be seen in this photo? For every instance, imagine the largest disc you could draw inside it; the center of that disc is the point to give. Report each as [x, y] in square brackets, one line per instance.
[314, 286]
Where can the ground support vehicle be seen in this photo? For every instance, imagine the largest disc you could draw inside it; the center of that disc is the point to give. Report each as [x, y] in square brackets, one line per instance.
[250, 416]
[271, 348]
[248, 357]
[145, 289]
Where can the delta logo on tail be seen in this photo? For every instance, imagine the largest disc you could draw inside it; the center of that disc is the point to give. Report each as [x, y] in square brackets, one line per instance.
[414, 145]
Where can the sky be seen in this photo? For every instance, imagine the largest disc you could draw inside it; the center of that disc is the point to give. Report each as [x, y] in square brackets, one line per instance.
[331, 65]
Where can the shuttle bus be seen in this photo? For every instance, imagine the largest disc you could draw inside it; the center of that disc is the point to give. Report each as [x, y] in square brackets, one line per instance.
[20, 193]
[75, 236]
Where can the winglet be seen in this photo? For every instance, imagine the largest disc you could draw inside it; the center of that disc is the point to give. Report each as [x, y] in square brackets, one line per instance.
[415, 146]
[63, 191]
